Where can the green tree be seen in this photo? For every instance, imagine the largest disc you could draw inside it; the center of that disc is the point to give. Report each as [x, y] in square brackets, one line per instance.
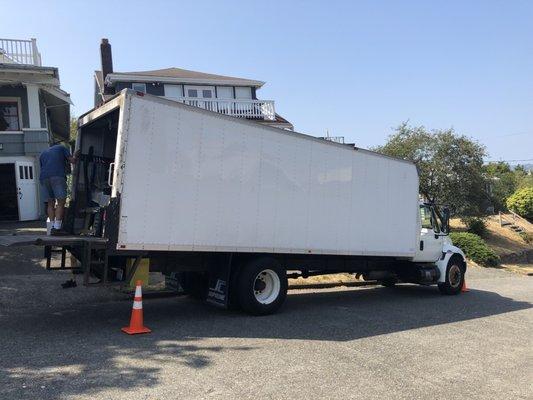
[73, 128]
[503, 182]
[521, 202]
[524, 178]
[450, 166]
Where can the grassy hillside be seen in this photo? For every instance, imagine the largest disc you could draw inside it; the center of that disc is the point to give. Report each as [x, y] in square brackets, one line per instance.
[508, 244]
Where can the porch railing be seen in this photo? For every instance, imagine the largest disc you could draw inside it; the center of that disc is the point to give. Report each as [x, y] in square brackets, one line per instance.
[250, 109]
[18, 51]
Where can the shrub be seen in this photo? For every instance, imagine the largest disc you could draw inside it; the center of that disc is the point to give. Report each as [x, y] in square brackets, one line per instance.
[526, 236]
[475, 248]
[475, 225]
[521, 202]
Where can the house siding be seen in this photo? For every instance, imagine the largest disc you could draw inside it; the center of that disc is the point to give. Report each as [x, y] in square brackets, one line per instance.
[154, 88]
[12, 144]
[35, 142]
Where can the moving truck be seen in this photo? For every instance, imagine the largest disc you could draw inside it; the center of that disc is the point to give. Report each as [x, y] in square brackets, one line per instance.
[232, 208]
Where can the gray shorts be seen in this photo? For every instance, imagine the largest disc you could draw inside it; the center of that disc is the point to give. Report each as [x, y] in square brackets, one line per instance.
[54, 187]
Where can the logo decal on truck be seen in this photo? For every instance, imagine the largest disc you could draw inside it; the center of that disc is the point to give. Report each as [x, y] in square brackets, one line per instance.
[217, 294]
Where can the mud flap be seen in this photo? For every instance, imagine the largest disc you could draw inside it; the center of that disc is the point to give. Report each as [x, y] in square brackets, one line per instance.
[219, 278]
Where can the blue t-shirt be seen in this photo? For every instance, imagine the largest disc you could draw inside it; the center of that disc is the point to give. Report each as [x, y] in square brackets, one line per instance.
[53, 161]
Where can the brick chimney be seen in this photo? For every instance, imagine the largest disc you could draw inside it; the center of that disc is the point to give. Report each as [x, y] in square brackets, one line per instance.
[107, 64]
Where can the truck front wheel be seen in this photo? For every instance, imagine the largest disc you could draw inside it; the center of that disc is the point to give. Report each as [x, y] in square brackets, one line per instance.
[455, 275]
[262, 286]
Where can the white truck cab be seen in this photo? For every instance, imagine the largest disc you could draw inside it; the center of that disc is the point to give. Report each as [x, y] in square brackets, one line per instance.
[436, 247]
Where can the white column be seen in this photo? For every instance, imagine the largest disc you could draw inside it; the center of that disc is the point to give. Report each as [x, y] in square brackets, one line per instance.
[34, 108]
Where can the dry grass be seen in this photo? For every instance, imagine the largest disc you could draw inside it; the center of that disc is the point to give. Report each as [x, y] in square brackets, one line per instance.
[501, 239]
[330, 279]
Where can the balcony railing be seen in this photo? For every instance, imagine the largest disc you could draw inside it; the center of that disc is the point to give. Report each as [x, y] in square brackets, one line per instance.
[250, 109]
[17, 51]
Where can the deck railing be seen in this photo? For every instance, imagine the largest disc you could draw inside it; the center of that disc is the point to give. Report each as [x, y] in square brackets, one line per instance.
[17, 51]
[250, 109]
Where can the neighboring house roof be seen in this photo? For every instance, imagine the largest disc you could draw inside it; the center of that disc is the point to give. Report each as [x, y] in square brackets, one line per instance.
[179, 75]
[23, 71]
[279, 122]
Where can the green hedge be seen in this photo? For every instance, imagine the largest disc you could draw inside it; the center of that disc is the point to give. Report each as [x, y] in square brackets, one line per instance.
[475, 225]
[475, 248]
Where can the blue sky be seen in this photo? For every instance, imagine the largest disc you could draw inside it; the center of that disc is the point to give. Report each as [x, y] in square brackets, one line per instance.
[356, 69]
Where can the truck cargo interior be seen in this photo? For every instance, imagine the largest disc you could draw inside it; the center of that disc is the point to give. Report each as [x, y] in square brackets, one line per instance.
[90, 179]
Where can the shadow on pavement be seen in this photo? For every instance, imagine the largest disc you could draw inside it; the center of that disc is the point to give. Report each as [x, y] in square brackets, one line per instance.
[22, 260]
[80, 350]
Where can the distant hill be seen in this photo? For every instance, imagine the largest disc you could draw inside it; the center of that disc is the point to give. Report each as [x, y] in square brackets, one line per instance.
[528, 167]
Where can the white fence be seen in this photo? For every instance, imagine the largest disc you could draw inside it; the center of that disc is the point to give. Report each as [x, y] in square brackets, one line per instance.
[17, 51]
[251, 109]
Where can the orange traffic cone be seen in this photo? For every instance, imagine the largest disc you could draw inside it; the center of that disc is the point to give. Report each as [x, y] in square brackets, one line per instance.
[136, 322]
[464, 289]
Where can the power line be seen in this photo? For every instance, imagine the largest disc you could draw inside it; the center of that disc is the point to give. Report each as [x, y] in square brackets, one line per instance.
[527, 159]
[514, 134]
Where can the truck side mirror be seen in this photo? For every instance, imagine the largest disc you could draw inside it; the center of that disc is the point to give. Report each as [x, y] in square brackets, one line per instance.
[446, 220]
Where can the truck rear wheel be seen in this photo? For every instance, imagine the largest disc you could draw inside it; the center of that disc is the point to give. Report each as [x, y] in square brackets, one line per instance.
[455, 276]
[262, 286]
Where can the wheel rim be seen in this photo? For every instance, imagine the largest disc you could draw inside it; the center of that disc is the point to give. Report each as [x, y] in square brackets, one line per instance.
[454, 276]
[267, 286]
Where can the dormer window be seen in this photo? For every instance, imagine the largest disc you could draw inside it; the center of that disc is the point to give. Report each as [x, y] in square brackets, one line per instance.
[139, 87]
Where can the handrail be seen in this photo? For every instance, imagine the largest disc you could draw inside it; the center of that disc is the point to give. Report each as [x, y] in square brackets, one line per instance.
[243, 108]
[19, 51]
[503, 217]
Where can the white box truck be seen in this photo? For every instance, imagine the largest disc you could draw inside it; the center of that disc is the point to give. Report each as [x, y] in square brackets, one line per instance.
[232, 207]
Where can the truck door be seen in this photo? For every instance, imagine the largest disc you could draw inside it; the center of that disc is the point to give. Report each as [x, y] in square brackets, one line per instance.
[430, 243]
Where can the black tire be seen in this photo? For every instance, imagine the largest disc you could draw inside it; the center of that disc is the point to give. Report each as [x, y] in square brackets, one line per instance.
[455, 276]
[195, 284]
[263, 277]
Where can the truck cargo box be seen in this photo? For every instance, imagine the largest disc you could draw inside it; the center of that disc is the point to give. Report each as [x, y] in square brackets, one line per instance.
[189, 179]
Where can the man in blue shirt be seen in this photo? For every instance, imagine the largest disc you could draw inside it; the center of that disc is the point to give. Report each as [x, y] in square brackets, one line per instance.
[54, 184]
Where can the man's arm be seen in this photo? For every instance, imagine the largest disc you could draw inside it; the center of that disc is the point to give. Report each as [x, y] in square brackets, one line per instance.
[72, 159]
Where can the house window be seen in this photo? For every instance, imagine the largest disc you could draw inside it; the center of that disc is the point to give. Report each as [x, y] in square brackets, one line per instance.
[9, 116]
[173, 91]
[201, 92]
[224, 92]
[243, 92]
[139, 87]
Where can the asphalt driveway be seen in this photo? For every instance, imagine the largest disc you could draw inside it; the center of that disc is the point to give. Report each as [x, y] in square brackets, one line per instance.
[355, 343]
